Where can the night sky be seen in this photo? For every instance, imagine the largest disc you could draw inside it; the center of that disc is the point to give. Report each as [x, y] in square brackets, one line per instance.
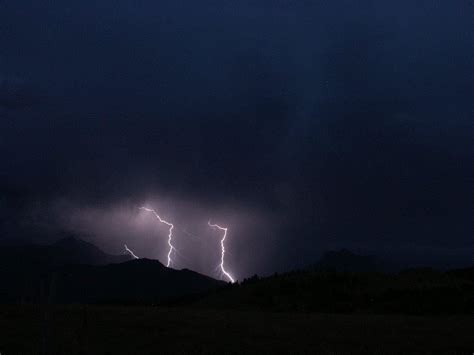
[303, 126]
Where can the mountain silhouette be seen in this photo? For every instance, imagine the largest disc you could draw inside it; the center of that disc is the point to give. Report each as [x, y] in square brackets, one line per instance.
[72, 270]
[413, 291]
[69, 250]
[136, 281]
[74, 250]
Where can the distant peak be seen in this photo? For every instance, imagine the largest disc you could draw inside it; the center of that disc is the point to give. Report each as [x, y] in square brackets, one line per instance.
[74, 243]
[71, 240]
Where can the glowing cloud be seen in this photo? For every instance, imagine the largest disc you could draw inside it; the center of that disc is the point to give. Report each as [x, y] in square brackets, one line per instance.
[130, 252]
[222, 250]
[170, 235]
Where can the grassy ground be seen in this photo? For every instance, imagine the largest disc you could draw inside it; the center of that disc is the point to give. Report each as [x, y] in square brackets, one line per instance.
[144, 330]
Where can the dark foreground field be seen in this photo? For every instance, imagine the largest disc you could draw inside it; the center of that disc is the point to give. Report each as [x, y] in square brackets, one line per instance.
[146, 330]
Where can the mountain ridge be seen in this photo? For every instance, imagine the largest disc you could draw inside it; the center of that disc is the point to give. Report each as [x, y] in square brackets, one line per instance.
[72, 270]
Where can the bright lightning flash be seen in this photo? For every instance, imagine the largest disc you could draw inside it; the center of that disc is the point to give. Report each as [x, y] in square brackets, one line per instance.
[170, 235]
[130, 252]
[223, 249]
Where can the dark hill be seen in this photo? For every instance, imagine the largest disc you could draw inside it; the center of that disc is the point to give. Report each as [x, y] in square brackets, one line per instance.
[415, 291]
[136, 281]
[77, 251]
[72, 270]
[40, 258]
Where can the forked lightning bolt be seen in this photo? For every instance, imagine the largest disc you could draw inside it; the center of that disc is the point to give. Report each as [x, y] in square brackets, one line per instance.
[223, 249]
[130, 252]
[170, 235]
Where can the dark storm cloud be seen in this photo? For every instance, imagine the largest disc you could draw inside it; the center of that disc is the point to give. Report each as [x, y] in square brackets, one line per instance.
[342, 123]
